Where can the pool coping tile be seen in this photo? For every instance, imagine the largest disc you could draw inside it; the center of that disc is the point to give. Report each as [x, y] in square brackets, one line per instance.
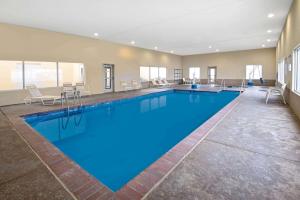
[83, 186]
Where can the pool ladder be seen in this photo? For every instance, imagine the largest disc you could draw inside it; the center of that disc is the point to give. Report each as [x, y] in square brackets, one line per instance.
[223, 84]
[243, 86]
[65, 99]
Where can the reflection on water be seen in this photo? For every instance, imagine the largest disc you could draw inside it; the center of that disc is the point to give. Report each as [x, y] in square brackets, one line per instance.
[63, 121]
[194, 98]
[70, 124]
[109, 110]
[154, 103]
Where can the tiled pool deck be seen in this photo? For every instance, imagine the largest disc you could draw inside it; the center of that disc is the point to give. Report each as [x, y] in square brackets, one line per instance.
[156, 181]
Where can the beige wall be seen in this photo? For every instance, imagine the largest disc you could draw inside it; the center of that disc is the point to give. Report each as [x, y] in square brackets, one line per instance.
[289, 39]
[22, 43]
[232, 65]
[290, 36]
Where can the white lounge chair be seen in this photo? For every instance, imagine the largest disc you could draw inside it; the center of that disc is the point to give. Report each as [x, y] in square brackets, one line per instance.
[81, 91]
[276, 91]
[157, 83]
[197, 81]
[161, 82]
[165, 81]
[135, 84]
[125, 85]
[36, 95]
[186, 81]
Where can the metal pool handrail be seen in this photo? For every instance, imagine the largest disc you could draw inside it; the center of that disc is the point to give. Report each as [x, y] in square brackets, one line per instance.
[243, 86]
[223, 84]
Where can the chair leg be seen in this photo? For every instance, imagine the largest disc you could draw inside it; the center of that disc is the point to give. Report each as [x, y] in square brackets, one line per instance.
[27, 101]
[267, 97]
[283, 99]
[45, 103]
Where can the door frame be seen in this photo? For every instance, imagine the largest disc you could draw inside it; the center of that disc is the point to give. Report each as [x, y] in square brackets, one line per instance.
[208, 74]
[112, 77]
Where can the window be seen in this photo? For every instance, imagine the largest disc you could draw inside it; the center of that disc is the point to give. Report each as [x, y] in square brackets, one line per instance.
[11, 75]
[17, 74]
[253, 72]
[280, 72]
[150, 73]
[144, 74]
[70, 73]
[194, 72]
[41, 74]
[162, 73]
[153, 73]
[296, 72]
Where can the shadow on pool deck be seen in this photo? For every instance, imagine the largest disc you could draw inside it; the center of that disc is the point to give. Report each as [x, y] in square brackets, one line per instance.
[254, 153]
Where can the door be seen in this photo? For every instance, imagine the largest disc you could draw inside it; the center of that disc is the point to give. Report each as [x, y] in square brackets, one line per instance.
[109, 78]
[212, 75]
[178, 76]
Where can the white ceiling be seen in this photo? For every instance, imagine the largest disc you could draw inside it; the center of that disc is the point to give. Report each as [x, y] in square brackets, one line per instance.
[185, 26]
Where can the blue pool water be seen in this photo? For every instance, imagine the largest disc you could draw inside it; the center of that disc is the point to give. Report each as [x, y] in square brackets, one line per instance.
[115, 141]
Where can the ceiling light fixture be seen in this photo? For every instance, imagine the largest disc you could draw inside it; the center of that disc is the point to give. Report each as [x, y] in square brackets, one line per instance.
[132, 42]
[271, 15]
[96, 34]
[268, 40]
[269, 31]
[155, 47]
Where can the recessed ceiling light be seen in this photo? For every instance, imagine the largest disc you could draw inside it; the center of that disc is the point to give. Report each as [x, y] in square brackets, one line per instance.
[96, 34]
[270, 15]
[155, 48]
[217, 50]
[269, 31]
[263, 45]
[172, 51]
[210, 46]
[268, 40]
[132, 42]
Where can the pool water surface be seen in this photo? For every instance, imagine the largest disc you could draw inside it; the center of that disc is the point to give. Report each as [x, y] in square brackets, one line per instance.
[115, 141]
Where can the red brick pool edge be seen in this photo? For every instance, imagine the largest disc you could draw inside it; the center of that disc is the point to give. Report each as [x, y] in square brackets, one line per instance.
[82, 185]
